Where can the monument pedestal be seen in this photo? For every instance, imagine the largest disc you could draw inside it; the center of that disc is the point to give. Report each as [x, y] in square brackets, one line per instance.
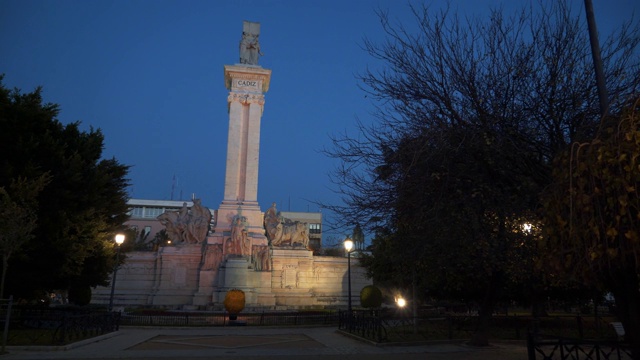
[238, 274]
[176, 274]
[251, 212]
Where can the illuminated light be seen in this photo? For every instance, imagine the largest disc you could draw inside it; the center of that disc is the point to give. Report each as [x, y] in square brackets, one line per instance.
[348, 244]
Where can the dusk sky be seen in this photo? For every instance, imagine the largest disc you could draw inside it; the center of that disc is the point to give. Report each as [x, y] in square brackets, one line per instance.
[150, 75]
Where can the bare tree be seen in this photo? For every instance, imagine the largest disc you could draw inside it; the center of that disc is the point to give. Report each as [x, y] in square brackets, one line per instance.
[469, 114]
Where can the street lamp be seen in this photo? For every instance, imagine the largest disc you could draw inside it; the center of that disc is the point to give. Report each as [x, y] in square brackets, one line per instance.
[119, 241]
[348, 245]
[401, 302]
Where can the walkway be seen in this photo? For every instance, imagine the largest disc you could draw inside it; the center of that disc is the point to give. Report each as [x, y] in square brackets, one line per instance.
[261, 343]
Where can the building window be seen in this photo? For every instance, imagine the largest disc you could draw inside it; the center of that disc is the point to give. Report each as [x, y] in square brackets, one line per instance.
[314, 228]
[152, 212]
[136, 212]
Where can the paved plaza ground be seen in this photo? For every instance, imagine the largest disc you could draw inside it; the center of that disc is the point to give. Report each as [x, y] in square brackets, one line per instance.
[261, 343]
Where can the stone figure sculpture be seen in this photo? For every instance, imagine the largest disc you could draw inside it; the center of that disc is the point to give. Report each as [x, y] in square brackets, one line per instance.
[170, 220]
[292, 233]
[239, 243]
[184, 226]
[198, 226]
[249, 44]
[281, 231]
[261, 258]
[271, 222]
[212, 257]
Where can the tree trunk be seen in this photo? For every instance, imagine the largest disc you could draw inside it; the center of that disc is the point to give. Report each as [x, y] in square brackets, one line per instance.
[626, 290]
[5, 266]
[481, 335]
[538, 302]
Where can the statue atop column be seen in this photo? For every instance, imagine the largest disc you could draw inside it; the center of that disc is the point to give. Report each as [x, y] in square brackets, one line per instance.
[249, 44]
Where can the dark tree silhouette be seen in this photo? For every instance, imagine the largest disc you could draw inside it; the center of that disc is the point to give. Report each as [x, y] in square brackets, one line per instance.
[469, 114]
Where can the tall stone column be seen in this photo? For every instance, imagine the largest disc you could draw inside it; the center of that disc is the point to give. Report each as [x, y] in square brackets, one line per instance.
[243, 149]
[247, 85]
[227, 254]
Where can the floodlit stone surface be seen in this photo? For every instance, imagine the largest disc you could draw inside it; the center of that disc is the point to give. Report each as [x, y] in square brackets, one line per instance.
[238, 255]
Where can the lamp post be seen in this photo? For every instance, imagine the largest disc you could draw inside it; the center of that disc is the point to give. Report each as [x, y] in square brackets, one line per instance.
[348, 245]
[119, 241]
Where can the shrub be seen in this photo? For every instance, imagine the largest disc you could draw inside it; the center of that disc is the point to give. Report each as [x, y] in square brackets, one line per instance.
[234, 301]
[80, 295]
[370, 297]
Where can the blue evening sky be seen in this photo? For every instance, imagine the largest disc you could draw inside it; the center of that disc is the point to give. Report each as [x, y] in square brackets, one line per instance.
[149, 74]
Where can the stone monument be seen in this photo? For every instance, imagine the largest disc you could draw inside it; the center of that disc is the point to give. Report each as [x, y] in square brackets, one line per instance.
[265, 256]
[239, 227]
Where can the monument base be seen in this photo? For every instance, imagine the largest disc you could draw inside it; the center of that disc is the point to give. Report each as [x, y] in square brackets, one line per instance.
[176, 278]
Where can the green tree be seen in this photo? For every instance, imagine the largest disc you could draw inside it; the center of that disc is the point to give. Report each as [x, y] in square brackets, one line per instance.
[18, 217]
[469, 114]
[82, 206]
[592, 216]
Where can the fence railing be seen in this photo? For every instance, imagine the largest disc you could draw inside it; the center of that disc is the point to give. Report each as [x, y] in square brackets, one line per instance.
[360, 323]
[55, 326]
[221, 319]
[398, 327]
[547, 347]
[5, 313]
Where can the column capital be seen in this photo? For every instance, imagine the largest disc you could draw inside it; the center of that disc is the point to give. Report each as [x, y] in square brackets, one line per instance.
[246, 78]
[244, 98]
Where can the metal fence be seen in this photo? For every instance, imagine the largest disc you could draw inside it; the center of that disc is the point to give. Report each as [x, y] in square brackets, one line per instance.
[221, 319]
[55, 326]
[397, 327]
[547, 347]
[363, 324]
[5, 315]
[400, 327]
